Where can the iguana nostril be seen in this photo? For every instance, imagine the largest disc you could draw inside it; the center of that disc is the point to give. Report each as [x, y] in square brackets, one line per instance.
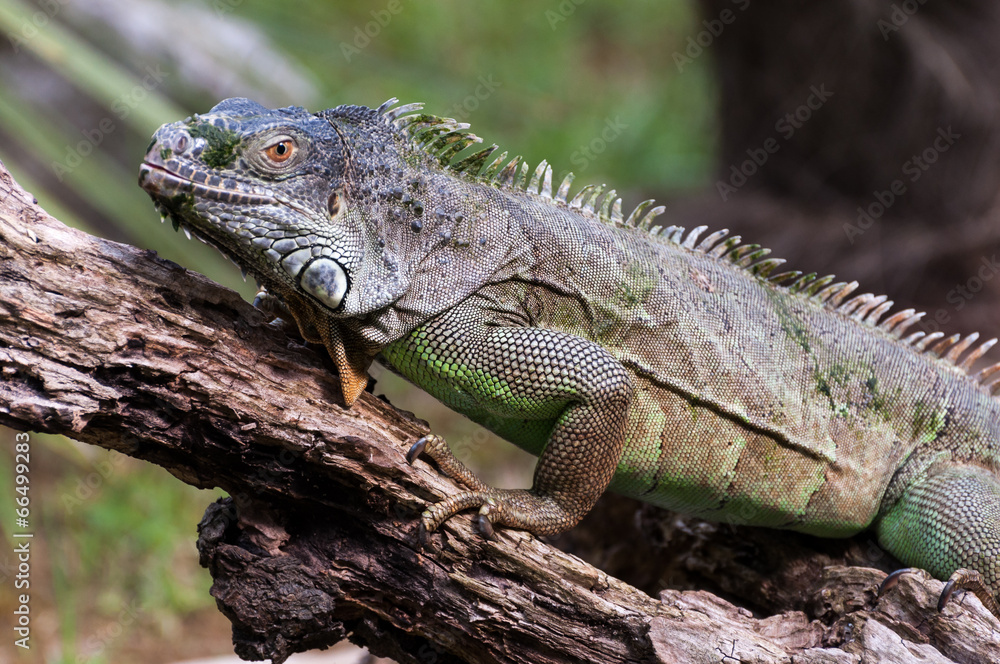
[181, 144]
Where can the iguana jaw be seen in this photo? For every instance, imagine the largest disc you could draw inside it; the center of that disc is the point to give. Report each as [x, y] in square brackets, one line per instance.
[189, 205]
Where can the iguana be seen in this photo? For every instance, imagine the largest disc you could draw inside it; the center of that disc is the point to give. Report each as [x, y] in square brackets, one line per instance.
[668, 365]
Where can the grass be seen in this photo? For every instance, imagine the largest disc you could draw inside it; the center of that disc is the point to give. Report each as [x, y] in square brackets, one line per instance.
[113, 550]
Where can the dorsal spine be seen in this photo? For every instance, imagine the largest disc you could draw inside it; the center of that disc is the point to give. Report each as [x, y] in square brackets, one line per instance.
[444, 138]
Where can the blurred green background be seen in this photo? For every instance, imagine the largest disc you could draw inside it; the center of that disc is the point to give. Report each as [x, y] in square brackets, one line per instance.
[589, 86]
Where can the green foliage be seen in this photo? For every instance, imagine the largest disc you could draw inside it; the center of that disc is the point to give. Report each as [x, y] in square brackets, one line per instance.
[541, 79]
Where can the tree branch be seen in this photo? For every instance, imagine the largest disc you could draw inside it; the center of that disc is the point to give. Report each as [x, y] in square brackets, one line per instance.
[115, 347]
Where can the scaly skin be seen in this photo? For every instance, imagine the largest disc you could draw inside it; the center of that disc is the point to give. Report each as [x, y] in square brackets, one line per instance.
[664, 366]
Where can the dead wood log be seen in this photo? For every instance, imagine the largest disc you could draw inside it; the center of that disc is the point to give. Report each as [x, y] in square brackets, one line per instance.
[116, 347]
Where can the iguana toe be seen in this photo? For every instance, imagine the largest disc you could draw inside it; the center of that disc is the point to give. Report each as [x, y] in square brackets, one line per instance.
[971, 580]
[961, 579]
[437, 449]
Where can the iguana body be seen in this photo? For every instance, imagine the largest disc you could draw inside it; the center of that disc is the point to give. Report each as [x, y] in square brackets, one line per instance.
[670, 367]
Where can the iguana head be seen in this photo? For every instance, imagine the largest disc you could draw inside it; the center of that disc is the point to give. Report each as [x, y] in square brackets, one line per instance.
[362, 220]
[282, 193]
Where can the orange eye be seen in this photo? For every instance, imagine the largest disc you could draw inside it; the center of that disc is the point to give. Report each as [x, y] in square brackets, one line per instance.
[280, 151]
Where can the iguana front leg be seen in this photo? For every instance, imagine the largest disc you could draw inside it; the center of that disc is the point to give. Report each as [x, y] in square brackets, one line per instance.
[523, 380]
[351, 357]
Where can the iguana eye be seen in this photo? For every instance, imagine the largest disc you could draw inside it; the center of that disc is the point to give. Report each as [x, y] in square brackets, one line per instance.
[281, 151]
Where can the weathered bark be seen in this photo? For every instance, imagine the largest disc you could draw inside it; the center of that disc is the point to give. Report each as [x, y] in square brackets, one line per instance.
[118, 348]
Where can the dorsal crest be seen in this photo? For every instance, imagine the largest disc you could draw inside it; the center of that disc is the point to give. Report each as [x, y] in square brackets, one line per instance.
[444, 138]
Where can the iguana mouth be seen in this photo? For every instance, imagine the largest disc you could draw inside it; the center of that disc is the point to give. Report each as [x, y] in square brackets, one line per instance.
[169, 190]
[165, 183]
[321, 276]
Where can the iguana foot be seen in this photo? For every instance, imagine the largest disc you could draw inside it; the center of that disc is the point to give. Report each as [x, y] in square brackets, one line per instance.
[972, 581]
[276, 311]
[271, 305]
[965, 579]
[516, 508]
[947, 522]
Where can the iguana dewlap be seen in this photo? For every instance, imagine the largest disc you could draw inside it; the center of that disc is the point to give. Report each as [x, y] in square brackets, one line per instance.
[675, 367]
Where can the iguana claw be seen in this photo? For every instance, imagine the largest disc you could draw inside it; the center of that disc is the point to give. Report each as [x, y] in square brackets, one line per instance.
[424, 537]
[964, 579]
[890, 582]
[416, 450]
[949, 589]
[484, 525]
